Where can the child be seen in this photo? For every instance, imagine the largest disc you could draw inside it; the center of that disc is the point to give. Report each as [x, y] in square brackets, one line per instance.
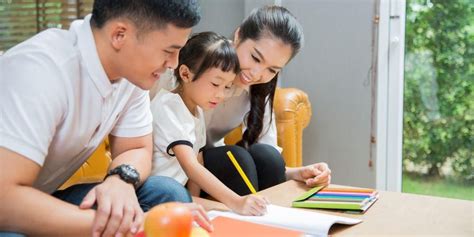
[206, 69]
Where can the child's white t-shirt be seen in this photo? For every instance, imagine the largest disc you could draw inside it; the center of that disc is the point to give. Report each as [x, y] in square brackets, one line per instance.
[173, 124]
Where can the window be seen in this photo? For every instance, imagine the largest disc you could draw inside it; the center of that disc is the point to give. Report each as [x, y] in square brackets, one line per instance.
[439, 99]
[21, 19]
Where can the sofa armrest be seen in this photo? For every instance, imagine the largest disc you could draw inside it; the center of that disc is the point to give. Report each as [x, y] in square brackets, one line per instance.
[293, 114]
[94, 169]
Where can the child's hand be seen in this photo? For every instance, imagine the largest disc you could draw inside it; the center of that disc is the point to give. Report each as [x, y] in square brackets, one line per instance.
[251, 205]
[200, 216]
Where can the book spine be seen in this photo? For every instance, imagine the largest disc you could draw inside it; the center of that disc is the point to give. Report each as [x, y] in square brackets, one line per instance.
[323, 195]
[352, 190]
[341, 195]
[327, 205]
[337, 199]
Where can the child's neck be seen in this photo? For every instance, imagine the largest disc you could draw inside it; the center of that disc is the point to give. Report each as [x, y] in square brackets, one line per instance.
[192, 107]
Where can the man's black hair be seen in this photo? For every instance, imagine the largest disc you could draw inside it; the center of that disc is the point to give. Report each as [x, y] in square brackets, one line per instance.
[147, 14]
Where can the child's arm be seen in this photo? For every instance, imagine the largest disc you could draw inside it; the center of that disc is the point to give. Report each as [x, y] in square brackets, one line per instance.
[193, 188]
[246, 205]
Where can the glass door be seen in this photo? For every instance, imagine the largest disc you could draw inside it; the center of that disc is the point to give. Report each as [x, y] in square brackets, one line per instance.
[438, 120]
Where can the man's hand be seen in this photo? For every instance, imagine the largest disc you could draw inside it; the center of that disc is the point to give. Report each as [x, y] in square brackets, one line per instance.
[118, 210]
[313, 175]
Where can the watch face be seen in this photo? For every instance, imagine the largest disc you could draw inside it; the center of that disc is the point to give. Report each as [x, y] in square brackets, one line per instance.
[129, 174]
[130, 171]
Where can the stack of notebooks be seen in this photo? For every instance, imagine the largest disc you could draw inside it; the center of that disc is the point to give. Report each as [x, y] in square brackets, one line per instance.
[349, 199]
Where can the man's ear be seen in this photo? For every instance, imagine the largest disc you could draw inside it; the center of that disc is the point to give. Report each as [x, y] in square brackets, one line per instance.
[119, 34]
[185, 73]
[236, 36]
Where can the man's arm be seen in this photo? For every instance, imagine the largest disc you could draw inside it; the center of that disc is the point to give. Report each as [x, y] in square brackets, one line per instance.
[135, 151]
[118, 210]
[27, 210]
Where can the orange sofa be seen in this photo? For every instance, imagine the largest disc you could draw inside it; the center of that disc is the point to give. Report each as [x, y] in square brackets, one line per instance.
[292, 113]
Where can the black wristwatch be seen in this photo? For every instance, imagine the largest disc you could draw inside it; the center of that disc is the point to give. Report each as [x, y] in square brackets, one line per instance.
[126, 173]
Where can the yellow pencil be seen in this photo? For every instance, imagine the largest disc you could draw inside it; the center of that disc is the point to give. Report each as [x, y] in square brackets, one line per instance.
[241, 172]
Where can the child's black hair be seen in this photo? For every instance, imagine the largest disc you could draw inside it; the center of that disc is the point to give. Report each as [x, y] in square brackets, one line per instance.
[207, 50]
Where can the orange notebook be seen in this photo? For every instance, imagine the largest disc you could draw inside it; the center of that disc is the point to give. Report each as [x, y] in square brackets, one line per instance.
[228, 227]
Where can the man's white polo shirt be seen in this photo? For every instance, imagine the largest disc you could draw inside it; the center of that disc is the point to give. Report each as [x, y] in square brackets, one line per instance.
[57, 104]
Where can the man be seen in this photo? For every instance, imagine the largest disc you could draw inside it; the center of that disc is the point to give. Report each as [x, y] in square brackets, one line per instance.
[61, 93]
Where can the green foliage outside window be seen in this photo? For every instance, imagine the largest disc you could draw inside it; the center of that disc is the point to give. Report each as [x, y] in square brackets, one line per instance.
[439, 89]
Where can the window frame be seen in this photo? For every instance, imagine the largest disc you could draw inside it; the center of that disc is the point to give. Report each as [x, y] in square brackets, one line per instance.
[390, 67]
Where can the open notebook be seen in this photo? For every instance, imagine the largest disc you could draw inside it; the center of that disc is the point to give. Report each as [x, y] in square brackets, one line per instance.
[230, 227]
[310, 223]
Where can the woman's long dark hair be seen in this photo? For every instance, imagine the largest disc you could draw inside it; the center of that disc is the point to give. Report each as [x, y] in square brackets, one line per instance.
[278, 23]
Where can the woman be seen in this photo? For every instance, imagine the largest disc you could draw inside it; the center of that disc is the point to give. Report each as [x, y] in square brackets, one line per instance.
[265, 42]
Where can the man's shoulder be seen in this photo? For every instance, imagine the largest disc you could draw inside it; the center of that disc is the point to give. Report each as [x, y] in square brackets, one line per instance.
[55, 44]
[40, 68]
[48, 57]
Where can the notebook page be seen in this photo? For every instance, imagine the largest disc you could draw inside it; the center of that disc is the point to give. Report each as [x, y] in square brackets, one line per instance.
[311, 223]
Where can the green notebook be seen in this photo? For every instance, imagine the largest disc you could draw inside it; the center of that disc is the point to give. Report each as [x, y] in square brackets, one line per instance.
[340, 199]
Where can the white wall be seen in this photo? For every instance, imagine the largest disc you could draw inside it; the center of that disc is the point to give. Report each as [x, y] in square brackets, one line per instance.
[333, 68]
[221, 16]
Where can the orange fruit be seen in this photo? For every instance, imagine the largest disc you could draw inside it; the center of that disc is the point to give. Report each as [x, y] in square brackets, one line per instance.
[169, 220]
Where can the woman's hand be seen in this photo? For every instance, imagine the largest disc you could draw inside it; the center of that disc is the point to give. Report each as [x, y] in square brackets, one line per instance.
[313, 175]
[250, 205]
